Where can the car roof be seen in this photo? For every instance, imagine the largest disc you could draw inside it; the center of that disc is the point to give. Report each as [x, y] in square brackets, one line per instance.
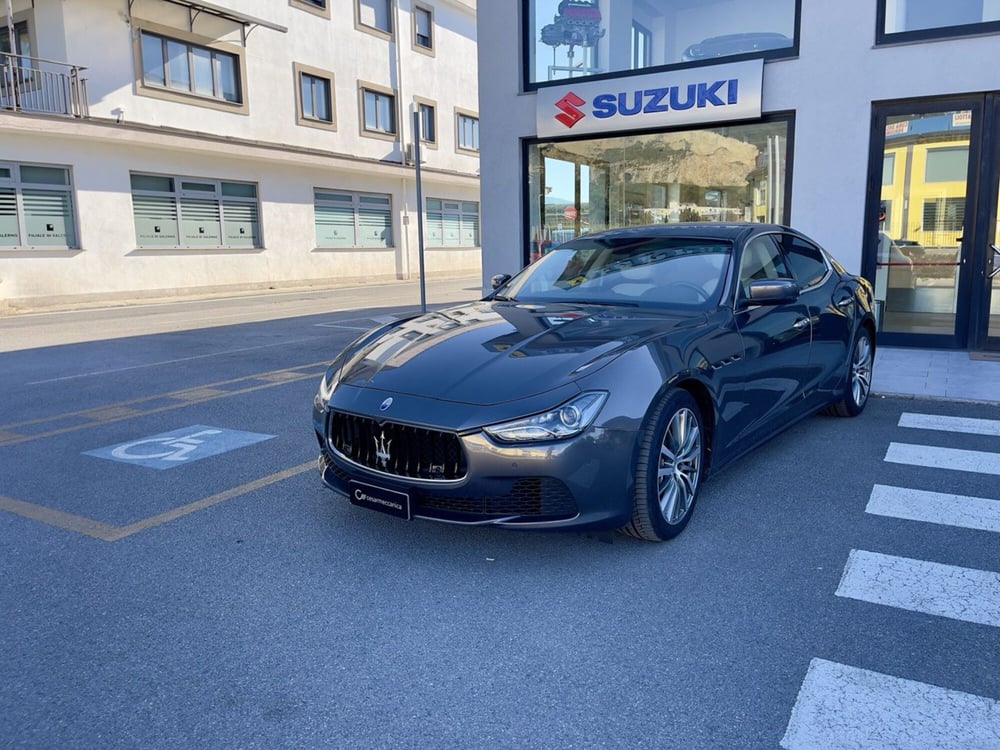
[704, 230]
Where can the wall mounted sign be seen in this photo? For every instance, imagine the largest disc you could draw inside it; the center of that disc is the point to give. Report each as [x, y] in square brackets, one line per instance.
[658, 100]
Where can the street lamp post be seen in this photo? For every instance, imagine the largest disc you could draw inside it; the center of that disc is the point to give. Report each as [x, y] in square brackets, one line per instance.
[420, 207]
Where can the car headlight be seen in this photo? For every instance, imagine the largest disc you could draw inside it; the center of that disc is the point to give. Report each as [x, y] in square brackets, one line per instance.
[566, 420]
[327, 386]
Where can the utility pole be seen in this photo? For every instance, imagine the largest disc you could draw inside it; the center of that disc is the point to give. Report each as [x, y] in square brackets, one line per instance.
[420, 205]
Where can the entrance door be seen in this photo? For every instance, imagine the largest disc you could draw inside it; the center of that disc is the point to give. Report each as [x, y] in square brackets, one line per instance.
[935, 171]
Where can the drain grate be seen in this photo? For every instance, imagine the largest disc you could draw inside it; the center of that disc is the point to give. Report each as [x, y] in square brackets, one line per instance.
[985, 356]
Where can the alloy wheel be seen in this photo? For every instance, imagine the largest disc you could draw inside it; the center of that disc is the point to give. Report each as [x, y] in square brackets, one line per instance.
[679, 466]
[861, 370]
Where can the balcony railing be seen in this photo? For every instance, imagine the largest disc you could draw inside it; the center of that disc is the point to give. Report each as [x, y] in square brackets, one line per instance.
[32, 84]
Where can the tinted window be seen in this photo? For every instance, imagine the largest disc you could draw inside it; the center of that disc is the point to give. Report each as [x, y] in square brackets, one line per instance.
[761, 260]
[807, 261]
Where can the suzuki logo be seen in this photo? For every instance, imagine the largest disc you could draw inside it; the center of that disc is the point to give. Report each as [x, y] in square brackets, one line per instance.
[568, 106]
[382, 450]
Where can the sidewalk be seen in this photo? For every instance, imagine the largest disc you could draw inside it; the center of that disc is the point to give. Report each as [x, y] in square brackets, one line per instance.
[936, 373]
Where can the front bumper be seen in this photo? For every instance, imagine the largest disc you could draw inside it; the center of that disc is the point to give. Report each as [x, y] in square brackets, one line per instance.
[584, 482]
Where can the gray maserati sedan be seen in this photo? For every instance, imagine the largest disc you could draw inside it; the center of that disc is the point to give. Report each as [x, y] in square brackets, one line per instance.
[601, 385]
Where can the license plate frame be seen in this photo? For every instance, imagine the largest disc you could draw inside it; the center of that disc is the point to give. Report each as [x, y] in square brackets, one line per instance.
[380, 499]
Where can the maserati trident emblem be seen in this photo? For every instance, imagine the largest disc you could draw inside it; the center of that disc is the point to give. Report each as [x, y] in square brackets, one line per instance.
[382, 450]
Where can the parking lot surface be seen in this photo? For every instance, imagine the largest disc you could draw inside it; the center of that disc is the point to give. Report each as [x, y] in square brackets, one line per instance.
[174, 575]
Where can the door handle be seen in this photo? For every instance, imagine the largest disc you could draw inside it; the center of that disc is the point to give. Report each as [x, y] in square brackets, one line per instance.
[801, 324]
[845, 302]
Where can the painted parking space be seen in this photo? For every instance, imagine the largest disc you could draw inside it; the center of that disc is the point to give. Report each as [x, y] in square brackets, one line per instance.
[169, 450]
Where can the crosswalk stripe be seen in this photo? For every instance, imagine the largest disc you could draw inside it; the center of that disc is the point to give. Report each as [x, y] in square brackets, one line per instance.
[935, 507]
[942, 423]
[963, 594]
[936, 457]
[846, 707]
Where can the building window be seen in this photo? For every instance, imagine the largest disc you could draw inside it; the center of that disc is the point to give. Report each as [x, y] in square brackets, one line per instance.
[177, 66]
[452, 223]
[378, 111]
[642, 46]
[423, 28]
[36, 206]
[913, 20]
[468, 132]
[582, 38]
[314, 97]
[615, 181]
[374, 16]
[319, 7]
[22, 42]
[192, 212]
[354, 220]
[428, 122]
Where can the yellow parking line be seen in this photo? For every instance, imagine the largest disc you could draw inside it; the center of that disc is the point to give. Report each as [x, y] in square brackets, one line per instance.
[9, 434]
[110, 533]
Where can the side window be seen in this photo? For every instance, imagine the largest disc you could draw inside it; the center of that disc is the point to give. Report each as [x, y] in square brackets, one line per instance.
[807, 261]
[761, 260]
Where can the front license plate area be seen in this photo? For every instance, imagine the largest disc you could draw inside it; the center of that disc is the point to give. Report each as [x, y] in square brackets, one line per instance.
[380, 499]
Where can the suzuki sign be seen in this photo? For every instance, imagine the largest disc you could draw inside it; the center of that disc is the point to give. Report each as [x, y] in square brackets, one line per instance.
[658, 100]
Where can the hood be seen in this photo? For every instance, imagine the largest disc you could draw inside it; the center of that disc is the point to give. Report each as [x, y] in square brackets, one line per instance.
[492, 352]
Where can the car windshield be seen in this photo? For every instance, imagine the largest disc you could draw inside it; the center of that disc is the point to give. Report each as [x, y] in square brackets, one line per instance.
[644, 272]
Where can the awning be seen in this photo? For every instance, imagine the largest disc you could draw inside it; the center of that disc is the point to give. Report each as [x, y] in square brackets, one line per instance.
[248, 22]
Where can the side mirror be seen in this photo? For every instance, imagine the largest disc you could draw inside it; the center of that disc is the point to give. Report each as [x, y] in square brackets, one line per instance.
[773, 292]
[499, 280]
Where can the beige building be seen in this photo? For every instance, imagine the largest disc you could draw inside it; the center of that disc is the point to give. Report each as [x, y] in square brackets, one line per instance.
[168, 147]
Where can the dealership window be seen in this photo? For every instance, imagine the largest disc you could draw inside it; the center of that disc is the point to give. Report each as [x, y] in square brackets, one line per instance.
[910, 20]
[173, 66]
[378, 111]
[36, 206]
[579, 38]
[467, 138]
[314, 97]
[374, 16]
[587, 185]
[452, 223]
[423, 29]
[355, 220]
[193, 212]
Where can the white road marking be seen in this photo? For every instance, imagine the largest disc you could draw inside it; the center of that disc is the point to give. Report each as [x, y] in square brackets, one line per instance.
[935, 457]
[968, 425]
[935, 507]
[847, 707]
[932, 588]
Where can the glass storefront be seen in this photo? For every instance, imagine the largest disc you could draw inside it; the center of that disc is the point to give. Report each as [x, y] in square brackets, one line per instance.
[925, 169]
[732, 173]
[576, 38]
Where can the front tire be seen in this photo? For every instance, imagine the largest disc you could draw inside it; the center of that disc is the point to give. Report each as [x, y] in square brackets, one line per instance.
[668, 469]
[859, 377]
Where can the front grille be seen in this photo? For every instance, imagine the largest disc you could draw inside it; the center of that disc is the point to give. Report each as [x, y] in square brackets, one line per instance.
[397, 449]
[536, 498]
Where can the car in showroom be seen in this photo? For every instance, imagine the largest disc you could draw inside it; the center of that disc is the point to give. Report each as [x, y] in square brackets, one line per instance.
[599, 386]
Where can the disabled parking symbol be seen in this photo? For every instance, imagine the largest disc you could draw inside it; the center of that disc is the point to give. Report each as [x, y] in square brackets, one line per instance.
[178, 447]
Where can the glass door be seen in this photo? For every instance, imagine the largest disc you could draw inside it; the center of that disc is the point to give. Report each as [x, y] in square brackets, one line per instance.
[924, 220]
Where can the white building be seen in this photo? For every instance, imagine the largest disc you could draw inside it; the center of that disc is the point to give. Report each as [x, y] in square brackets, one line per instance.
[872, 126]
[168, 147]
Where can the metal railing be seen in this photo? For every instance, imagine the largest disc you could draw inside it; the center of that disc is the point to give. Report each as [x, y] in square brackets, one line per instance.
[33, 84]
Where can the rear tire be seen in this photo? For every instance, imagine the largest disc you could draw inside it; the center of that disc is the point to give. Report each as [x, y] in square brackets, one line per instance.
[859, 377]
[668, 469]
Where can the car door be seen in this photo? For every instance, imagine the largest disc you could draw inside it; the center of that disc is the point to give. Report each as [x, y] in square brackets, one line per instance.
[776, 342]
[829, 303]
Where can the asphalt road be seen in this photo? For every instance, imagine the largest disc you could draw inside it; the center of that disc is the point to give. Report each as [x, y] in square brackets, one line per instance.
[157, 594]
